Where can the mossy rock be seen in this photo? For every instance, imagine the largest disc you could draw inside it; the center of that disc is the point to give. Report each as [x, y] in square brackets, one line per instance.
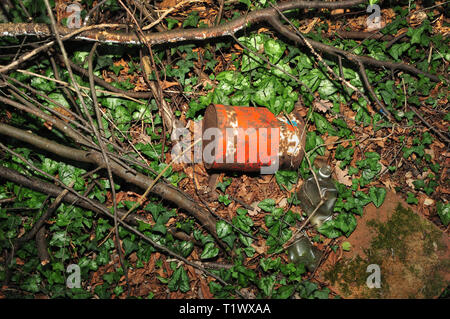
[411, 253]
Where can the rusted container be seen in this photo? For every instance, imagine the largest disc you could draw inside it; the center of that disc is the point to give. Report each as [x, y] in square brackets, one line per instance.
[252, 139]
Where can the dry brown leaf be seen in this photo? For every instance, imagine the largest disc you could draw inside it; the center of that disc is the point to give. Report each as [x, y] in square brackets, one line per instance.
[380, 142]
[342, 175]
[337, 11]
[429, 152]
[255, 211]
[388, 183]
[167, 84]
[323, 105]
[263, 30]
[260, 250]
[330, 142]
[205, 290]
[19, 261]
[266, 179]
[417, 18]
[311, 25]
[283, 202]
[409, 182]
[302, 111]
[65, 112]
[165, 4]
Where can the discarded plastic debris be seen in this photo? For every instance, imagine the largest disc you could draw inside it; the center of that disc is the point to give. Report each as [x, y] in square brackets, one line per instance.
[302, 251]
[309, 196]
[252, 139]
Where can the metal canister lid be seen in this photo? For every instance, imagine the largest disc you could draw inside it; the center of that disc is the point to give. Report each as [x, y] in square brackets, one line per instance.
[325, 171]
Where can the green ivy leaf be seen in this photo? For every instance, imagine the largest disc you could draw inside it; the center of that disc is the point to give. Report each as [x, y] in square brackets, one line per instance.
[210, 251]
[242, 221]
[377, 195]
[312, 141]
[229, 240]
[346, 246]
[265, 92]
[328, 229]
[246, 241]
[224, 184]
[397, 49]
[344, 223]
[267, 204]
[191, 20]
[274, 50]
[327, 89]
[32, 283]
[186, 247]
[160, 228]
[116, 69]
[247, 2]
[284, 292]
[411, 199]
[266, 284]
[129, 245]
[322, 294]
[223, 229]
[171, 23]
[415, 34]
[268, 263]
[286, 178]
[179, 280]
[60, 239]
[443, 211]
[321, 122]
[224, 199]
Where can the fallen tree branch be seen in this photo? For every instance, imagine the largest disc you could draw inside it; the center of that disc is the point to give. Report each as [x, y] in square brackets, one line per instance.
[50, 189]
[8, 29]
[356, 59]
[338, 77]
[18, 242]
[362, 71]
[268, 15]
[431, 127]
[32, 183]
[41, 245]
[54, 190]
[162, 189]
[176, 35]
[60, 125]
[362, 35]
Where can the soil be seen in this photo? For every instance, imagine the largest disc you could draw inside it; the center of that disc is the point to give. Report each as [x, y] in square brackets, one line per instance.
[412, 254]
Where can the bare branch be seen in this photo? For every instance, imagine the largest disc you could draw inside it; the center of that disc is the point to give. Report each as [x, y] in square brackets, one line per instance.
[164, 190]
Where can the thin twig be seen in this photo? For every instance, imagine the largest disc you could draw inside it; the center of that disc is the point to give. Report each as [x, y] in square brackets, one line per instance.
[124, 95]
[69, 35]
[431, 127]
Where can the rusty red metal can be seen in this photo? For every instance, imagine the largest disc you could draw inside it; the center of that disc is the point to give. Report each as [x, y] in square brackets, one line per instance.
[252, 139]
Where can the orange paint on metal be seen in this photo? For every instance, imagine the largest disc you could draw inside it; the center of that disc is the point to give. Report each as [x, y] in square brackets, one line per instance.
[247, 142]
